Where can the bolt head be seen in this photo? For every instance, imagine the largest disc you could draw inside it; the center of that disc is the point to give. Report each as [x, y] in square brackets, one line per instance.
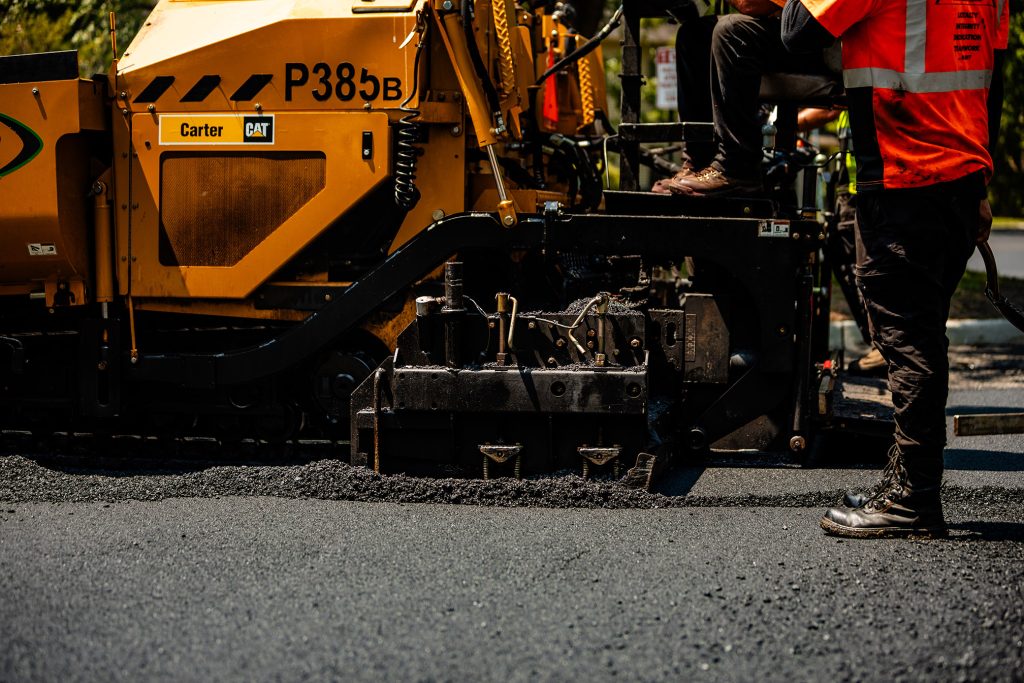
[35, 91]
[446, 5]
[456, 130]
[151, 107]
[508, 221]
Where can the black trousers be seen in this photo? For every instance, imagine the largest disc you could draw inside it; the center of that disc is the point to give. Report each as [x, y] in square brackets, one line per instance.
[742, 49]
[913, 246]
[693, 69]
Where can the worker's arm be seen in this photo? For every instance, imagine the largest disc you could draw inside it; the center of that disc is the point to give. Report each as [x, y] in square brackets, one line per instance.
[811, 117]
[757, 8]
[801, 32]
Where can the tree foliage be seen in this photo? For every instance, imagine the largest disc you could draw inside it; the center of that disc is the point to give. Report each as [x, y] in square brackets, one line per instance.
[47, 25]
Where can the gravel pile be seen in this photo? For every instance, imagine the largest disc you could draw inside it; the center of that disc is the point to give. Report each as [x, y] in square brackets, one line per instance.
[26, 480]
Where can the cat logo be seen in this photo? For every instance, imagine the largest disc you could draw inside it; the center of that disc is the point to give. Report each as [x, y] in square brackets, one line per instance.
[258, 129]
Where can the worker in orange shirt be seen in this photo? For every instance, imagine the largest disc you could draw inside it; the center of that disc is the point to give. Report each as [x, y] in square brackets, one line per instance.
[917, 75]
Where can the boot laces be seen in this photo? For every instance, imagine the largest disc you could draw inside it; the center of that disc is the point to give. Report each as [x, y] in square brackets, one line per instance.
[892, 483]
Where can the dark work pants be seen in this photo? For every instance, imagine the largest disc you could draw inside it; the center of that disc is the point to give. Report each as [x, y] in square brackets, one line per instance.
[742, 49]
[693, 68]
[913, 246]
[842, 252]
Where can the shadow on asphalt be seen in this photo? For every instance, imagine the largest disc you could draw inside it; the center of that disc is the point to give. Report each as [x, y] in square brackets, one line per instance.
[987, 531]
[678, 482]
[983, 460]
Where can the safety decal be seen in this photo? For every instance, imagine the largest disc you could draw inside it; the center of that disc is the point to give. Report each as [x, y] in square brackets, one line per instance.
[42, 249]
[203, 87]
[157, 87]
[31, 145]
[773, 229]
[216, 129]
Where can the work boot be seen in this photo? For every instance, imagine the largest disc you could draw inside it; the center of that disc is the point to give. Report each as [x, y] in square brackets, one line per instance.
[904, 507]
[870, 364]
[856, 499]
[664, 186]
[712, 182]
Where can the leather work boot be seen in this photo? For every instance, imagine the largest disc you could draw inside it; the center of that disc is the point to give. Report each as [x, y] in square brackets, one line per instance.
[897, 513]
[905, 507]
[664, 186]
[856, 499]
[713, 183]
[870, 364]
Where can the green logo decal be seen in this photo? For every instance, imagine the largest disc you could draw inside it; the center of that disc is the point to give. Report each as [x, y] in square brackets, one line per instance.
[31, 145]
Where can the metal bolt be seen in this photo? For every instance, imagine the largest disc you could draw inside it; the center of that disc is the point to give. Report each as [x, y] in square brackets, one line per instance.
[491, 325]
[531, 325]
[446, 5]
[746, 210]
[796, 235]
[635, 343]
[821, 237]
[797, 444]
[590, 344]
[124, 112]
[151, 108]
[123, 95]
[102, 365]
[509, 221]
[437, 214]
[552, 361]
[456, 131]
[560, 342]
[258, 106]
[124, 207]
[35, 91]
[328, 297]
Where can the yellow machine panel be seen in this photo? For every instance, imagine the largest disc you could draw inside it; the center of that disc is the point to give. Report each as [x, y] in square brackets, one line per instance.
[45, 183]
[214, 214]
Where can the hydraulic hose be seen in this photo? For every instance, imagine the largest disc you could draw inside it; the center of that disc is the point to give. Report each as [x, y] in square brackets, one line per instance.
[584, 49]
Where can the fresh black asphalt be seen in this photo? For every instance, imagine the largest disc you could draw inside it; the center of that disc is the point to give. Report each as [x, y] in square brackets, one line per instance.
[274, 589]
[324, 572]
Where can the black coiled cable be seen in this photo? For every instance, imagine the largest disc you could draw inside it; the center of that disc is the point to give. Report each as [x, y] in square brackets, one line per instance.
[407, 133]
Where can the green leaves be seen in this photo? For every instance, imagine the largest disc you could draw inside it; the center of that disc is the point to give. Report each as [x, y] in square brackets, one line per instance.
[46, 25]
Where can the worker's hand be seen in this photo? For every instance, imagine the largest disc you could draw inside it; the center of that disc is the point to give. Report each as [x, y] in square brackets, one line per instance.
[757, 8]
[984, 221]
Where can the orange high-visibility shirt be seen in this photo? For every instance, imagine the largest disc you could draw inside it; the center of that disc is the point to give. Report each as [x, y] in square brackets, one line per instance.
[917, 74]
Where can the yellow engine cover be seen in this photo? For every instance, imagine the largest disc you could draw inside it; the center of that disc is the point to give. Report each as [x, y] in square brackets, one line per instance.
[251, 126]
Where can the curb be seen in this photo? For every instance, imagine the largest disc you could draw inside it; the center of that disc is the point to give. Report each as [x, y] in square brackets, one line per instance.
[843, 334]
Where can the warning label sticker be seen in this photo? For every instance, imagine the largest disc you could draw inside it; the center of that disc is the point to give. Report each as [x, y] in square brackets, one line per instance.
[216, 129]
[42, 249]
[773, 229]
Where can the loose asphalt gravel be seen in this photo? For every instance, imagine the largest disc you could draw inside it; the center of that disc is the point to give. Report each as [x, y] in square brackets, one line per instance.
[324, 571]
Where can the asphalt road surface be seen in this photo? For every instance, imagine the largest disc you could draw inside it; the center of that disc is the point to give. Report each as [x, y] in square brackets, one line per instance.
[320, 572]
[1008, 247]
